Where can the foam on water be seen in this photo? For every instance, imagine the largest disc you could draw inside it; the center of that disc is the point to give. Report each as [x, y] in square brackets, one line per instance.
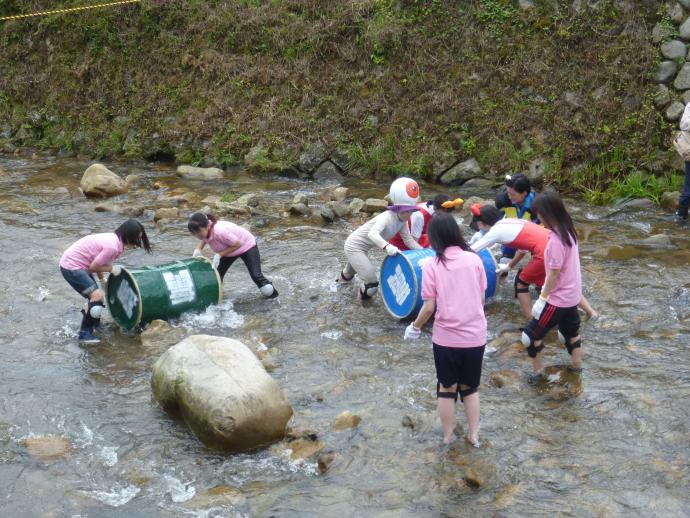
[66, 332]
[109, 455]
[332, 335]
[115, 497]
[218, 315]
[43, 293]
[179, 491]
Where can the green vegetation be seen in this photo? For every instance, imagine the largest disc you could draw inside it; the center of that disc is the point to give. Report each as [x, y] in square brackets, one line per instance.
[408, 86]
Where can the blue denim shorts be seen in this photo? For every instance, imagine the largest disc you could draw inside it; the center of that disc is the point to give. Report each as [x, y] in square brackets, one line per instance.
[80, 280]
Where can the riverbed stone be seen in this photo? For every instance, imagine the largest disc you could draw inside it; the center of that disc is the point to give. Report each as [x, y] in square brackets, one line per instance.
[99, 181]
[325, 461]
[47, 447]
[662, 96]
[222, 391]
[300, 198]
[305, 447]
[250, 200]
[674, 50]
[159, 334]
[200, 173]
[356, 205]
[327, 213]
[327, 172]
[655, 241]
[676, 13]
[340, 208]
[665, 72]
[674, 111]
[670, 200]
[684, 30]
[682, 81]
[166, 213]
[479, 473]
[461, 172]
[346, 420]
[300, 209]
[478, 184]
[505, 379]
[339, 193]
[373, 205]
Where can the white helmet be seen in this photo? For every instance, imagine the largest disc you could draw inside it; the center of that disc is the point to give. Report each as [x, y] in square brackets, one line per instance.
[404, 192]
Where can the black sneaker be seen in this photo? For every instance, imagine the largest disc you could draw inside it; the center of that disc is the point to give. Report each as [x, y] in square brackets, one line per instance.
[534, 379]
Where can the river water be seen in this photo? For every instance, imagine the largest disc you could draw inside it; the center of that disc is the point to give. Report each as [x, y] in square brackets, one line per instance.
[613, 443]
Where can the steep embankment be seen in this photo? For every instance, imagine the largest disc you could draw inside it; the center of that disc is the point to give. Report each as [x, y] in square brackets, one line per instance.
[396, 86]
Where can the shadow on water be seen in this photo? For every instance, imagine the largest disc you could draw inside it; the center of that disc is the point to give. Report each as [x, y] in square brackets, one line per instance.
[612, 440]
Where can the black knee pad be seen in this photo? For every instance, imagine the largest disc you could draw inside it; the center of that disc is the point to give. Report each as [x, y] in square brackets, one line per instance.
[571, 347]
[446, 395]
[369, 290]
[467, 392]
[528, 342]
[519, 289]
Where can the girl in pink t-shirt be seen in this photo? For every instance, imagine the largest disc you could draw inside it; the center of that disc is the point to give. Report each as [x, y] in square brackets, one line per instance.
[229, 242]
[562, 291]
[453, 286]
[96, 253]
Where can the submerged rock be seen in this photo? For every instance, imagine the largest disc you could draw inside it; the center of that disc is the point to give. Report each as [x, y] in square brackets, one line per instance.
[200, 173]
[166, 213]
[100, 181]
[300, 209]
[325, 460]
[160, 334]
[656, 241]
[222, 391]
[49, 447]
[346, 420]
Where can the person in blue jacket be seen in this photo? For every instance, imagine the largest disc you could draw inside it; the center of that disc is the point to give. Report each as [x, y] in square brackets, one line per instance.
[516, 202]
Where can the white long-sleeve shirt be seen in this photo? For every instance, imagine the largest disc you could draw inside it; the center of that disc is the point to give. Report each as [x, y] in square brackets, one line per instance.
[377, 231]
[685, 119]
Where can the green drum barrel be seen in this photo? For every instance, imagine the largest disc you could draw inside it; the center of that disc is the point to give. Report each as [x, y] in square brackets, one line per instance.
[139, 295]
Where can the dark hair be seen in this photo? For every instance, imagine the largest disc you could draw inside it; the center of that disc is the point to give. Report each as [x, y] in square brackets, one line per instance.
[443, 232]
[552, 213]
[197, 221]
[132, 233]
[438, 201]
[520, 183]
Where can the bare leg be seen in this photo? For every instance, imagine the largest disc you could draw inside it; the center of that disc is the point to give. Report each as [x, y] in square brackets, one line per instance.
[591, 313]
[538, 360]
[471, 404]
[446, 411]
[577, 353]
[525, 300]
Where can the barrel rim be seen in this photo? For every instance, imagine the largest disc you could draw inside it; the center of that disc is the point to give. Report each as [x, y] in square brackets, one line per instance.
[220, 281]
[140, 306]
[416, 284]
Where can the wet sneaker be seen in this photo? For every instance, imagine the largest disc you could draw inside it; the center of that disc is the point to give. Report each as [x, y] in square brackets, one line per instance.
[681, 217]
[273, 295]
[86, 336]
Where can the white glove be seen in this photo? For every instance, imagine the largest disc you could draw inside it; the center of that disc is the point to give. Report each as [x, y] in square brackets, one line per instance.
[116, 270]
[392, 249]
[412, 333]
[197, 253]
[538, 307]
[503, 268]
[216, 260]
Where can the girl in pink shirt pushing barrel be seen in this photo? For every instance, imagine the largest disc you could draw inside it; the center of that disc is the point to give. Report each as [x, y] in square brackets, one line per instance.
[96, 253]
[562, 291]
[230, 242]
[453, 285]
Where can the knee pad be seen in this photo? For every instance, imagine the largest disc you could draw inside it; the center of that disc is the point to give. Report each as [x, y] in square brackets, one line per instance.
[267, 290]
[571, 347]
[446, 395]
[520, 287]
[369, 290]
[529, 345]
[96, 309]
[467, 392]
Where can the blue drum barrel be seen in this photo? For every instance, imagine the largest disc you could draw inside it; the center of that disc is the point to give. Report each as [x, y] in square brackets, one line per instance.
[401, 280]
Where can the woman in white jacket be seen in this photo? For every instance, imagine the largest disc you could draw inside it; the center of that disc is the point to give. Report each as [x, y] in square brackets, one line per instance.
[684, 202]
[376, 232]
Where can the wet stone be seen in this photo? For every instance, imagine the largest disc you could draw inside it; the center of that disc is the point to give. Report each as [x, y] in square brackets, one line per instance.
[346, 420]
[300, 199]
[373, 205]
[300, 209]
[305, 448]
[325, 460]
[166, 213]
[49, 447]
[339, 193]
[356, 205]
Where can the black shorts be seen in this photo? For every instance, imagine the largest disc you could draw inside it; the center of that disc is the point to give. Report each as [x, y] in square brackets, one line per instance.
[461, 365]
[567, 320]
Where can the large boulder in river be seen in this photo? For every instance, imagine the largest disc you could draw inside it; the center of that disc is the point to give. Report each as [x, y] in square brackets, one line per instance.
[98, 180]
[460, 173]
[222, 391]
[200, 173]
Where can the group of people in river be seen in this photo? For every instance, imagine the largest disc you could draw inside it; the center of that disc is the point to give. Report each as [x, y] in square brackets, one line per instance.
[453, 283]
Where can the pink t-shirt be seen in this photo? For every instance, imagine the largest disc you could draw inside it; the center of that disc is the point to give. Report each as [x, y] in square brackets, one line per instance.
[457, 287]
[102, 248]
[568, 289]
[225, 234]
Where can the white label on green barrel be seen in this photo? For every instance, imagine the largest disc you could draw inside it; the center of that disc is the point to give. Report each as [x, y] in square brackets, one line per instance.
[398, 285]
[127, 298]
[180, 285]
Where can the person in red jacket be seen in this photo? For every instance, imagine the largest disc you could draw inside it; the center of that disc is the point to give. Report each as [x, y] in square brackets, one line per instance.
[419, 221]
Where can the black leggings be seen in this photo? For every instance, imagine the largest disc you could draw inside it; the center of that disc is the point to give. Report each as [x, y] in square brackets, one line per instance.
[252, 260]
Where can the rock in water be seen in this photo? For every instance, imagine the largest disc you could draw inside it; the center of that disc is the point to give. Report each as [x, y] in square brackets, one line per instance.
[50, 447]
[222, 391]
[98, 180]
[200, 173]
[346, 420]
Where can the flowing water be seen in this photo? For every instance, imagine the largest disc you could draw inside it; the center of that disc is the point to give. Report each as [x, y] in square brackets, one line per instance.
[614, 442]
